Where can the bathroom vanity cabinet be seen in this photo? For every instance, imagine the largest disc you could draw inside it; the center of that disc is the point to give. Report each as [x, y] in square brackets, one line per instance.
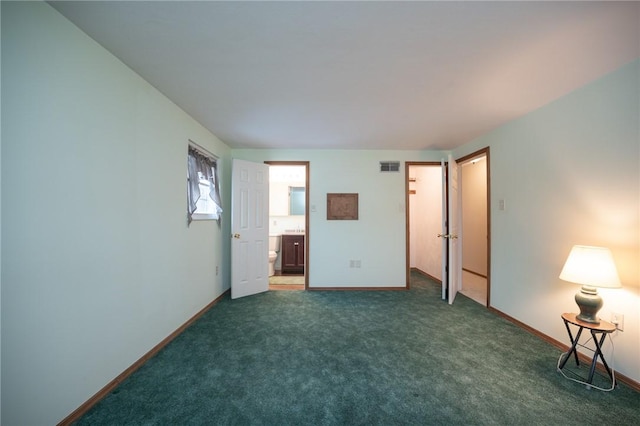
[292, 254]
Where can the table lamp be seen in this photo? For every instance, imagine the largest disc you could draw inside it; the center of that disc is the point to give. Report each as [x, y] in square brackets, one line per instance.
[590, 267]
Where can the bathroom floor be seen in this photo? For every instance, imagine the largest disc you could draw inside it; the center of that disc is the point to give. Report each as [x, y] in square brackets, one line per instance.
[286, 282]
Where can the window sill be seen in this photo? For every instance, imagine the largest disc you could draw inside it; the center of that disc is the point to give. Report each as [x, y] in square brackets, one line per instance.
[203, 216]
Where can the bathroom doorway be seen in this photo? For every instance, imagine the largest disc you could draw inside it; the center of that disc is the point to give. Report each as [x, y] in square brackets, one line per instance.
[288, 225]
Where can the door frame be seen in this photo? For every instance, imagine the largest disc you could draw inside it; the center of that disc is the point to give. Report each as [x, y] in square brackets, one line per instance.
[307, 229]
[465, 159]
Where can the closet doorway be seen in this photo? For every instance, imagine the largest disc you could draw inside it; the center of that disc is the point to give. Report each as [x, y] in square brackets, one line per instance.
[476, 237]
[424, 219]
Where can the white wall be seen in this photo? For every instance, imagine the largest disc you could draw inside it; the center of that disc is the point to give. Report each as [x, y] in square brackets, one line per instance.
[569, 173]
[98, 265]
[426, 219]
[377, 238]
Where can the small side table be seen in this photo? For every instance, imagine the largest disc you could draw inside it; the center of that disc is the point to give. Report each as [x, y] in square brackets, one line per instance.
[598, 333]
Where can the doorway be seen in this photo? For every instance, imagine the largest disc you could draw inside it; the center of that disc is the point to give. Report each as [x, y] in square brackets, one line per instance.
[424, 218]
[289, 224]
[475, 212]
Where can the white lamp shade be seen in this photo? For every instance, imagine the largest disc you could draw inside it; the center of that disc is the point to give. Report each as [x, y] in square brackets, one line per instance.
[591, 266]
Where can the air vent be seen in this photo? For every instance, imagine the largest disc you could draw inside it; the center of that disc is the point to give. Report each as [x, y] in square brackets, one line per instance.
[389, 166]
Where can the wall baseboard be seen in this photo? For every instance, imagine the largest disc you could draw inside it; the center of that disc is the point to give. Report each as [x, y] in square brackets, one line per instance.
[474, 273]
[563, 347]
[102, 393]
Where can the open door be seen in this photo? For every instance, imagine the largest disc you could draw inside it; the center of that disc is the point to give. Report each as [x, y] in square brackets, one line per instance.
[249, 228]
[444, 234]
[451, 249]
[455, 249]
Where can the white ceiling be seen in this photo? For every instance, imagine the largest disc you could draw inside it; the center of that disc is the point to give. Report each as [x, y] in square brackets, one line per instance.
[362, 75]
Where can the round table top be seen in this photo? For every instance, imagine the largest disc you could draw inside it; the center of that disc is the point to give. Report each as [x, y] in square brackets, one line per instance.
[604, 326]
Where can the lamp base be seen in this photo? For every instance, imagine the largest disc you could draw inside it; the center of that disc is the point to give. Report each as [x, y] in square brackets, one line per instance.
[589, 302]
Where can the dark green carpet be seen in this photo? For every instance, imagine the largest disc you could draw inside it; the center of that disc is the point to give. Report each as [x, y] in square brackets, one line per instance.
[358, 357]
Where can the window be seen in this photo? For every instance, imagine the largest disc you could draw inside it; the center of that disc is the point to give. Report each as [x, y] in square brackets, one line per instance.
[203, 189]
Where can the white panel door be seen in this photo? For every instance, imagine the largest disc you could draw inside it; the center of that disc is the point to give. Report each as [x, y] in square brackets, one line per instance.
[249, 228]
[451, 219]
[444, 233]
[454, 219]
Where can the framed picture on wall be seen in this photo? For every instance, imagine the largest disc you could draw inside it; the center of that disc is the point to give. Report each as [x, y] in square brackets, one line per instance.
[342, 206]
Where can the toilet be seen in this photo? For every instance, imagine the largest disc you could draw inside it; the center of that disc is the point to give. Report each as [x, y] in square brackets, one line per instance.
[274, 248]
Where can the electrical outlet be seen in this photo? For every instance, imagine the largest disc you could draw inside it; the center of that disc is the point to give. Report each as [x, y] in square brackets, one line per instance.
[618, 320]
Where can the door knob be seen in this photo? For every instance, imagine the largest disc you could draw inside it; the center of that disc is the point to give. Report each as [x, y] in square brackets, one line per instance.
[236, 236]
[443, 235]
